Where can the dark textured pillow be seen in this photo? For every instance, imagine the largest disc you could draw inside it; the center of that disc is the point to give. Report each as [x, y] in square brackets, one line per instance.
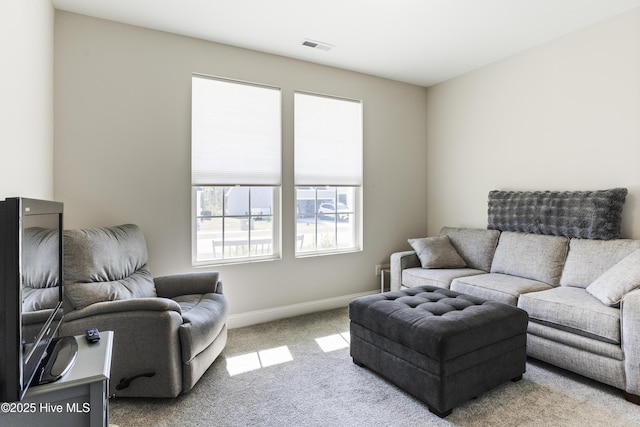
[437, 252]
[619, 280]
[581, 214]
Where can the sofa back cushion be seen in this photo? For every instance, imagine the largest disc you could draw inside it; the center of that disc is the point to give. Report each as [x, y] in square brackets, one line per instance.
[589, 259]
[106, 264]
[475, 245]
[532, 256]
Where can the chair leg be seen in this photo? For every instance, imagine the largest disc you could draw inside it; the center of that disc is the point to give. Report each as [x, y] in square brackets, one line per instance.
[633, 398]
[442, 414]
[357, 362]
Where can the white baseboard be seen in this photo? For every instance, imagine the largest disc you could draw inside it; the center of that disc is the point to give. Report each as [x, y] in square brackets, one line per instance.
[261, 316]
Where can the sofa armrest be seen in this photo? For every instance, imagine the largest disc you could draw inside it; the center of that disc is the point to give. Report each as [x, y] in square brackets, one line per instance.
[400, 261]
[630, 328]
[120, 306]
[188, 284]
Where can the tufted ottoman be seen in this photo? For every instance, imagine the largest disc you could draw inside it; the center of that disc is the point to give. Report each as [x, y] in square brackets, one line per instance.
[438, 345]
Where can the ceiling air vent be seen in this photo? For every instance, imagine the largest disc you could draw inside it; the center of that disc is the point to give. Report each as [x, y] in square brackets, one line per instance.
[317, 45]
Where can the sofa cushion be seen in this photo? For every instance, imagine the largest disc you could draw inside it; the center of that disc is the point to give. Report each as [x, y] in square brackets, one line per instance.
[616, 282]
[497, 287]
[531, 256]
[437, 252]
[438, 277]
[589, 259]
[574, 310]
[475, 245]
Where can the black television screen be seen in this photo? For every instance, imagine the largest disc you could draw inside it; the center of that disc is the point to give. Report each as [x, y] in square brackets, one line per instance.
[31, 289]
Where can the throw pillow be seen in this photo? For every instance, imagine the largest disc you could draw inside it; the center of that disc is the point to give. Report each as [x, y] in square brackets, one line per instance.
[616, 282]
[437, 252]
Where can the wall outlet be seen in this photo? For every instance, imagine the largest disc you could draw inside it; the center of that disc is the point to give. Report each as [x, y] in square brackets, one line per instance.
[378, 268]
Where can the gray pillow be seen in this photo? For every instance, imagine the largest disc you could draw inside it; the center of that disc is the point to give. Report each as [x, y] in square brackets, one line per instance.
[437, 252]
[475, 245]
[619, 280]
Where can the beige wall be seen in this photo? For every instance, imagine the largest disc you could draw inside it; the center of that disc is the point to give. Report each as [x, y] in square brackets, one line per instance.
[562, 116]
[122, 102]
[26, 99]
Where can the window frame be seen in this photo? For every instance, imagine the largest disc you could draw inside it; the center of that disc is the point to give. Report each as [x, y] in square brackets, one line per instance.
[356, 186]
[356, 226]
[276, 235]
[276, 224]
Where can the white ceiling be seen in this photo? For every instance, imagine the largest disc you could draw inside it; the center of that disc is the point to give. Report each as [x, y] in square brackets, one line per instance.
[417, 41]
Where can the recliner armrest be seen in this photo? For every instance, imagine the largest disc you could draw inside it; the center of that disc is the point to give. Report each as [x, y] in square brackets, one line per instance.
[188, 284]
[128, 305]
[400, 261]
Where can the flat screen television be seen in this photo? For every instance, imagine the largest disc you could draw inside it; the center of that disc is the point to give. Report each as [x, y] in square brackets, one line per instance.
[31, 294]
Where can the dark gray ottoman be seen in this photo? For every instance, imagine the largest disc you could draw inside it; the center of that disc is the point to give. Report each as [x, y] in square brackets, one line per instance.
[438, 345]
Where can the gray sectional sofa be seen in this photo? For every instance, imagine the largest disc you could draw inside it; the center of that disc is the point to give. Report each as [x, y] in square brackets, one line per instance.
[581, 295]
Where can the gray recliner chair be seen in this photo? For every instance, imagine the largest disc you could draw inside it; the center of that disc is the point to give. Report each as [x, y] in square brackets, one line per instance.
[167, 330]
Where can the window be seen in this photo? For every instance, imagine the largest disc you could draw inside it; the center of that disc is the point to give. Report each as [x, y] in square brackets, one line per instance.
[235, 170]
[328, 173]
[234, 222]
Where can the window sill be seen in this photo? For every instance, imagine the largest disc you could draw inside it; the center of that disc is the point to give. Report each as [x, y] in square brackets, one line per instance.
[233, 261]
[329, 252]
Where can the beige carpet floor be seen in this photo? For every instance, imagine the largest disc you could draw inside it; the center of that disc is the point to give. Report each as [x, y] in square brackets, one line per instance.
[298, 372]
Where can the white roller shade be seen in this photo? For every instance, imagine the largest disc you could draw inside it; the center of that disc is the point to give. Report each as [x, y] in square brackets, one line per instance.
[235, 133]
[328, 140]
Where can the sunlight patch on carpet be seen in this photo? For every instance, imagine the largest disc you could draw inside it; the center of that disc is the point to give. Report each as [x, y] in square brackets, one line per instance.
[257, 360]
[275, 356]
[334, 342]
